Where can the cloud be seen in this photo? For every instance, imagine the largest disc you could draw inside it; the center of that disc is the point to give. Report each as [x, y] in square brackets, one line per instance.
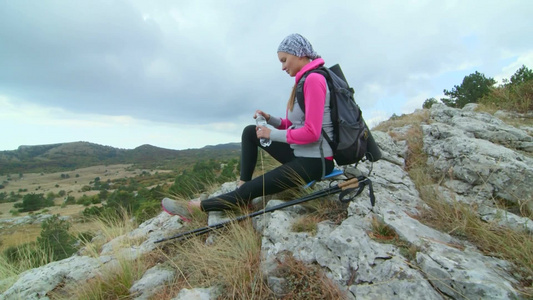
[32, 124]
[516, 63]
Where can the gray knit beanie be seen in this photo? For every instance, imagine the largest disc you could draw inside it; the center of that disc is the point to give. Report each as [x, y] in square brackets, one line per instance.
[297, 45]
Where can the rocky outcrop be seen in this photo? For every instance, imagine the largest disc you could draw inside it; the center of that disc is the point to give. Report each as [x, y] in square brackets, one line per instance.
[29, 219]
[37, 283]
[483, 160]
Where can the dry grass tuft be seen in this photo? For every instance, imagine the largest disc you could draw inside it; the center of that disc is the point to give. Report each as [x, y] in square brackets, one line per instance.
[29, 256]
[512, 97]
[381, 231]
[419, 116]
[328, 209]
[307, 281]
[116, 279]
[232, 262]
[113, 283]
[306, 223]
[108, 228]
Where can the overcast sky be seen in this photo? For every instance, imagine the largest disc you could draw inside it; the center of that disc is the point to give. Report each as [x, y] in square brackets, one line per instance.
[185, 74]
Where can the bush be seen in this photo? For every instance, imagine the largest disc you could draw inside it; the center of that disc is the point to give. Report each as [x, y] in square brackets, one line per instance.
[33, 202]
[93, 211]
[514, 97]
[95, 200]
[103, 195]
[56, 238]
[84, 200]
[522, 75]
[70, 200]
[51, 195]
[473, 88]
[147, 210]
[429, 103]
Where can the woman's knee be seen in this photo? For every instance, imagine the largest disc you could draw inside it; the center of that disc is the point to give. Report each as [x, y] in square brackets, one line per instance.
[249, 132]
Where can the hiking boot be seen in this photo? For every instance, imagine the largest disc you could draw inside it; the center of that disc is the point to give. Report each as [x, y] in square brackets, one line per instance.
[177, 208]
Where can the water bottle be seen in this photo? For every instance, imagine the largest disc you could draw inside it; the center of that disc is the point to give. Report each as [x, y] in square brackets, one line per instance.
[261, 121]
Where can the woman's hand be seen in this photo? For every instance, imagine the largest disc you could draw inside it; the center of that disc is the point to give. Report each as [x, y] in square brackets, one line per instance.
[264, 114]
[262, 132]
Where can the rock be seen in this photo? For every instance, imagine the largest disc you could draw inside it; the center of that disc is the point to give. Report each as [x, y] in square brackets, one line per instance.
[36, 283]
[505, 219]
[152, 281]
[468, 151]
[30, 219]
[198, 294]
[457, 273]
[392, 151]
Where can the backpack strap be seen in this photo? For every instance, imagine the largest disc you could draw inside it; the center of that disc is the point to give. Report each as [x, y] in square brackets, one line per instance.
[300, 87]
[301, 100]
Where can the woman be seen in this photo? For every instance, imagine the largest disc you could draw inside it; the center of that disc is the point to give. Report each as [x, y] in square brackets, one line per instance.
[297, 141]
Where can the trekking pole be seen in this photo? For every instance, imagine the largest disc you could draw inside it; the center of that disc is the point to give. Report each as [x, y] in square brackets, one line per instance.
[348, 185]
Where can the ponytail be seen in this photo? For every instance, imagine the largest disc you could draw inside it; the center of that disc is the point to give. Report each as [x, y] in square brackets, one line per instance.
[292, 99]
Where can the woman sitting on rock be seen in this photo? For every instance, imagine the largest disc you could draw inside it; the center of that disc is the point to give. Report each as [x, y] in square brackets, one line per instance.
[297, 142]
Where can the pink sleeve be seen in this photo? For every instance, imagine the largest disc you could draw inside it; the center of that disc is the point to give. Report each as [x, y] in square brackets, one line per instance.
[315, 99]
[285, 123]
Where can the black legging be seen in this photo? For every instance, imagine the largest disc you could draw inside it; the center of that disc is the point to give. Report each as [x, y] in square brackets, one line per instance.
[290, 174]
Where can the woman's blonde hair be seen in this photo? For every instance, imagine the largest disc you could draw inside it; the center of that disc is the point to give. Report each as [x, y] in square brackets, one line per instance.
[292, 98]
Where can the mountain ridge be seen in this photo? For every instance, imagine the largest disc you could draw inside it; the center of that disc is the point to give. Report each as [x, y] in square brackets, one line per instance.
[72, 155]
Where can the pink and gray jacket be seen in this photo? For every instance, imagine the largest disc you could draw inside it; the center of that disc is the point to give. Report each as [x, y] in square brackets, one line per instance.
[303, 130]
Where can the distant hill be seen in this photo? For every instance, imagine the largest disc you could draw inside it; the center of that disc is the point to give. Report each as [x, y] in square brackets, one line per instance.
[68, 156]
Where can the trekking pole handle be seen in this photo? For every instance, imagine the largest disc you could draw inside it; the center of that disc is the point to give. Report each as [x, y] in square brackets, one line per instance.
[352, 183]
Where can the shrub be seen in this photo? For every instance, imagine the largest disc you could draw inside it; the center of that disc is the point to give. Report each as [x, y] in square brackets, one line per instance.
[147, 210]
[56, 238]
[70, 200]
[33, 202]
[473, 88]
[515, 97]
[92, 211]
[522, 75]
[84, 200]
[51, 196]
[429, 102]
